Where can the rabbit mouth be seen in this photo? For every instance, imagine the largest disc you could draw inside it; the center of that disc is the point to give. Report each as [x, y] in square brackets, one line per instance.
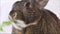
[13, 16]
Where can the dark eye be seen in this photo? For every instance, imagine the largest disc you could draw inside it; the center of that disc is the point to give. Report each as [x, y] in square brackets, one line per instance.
[27, 4]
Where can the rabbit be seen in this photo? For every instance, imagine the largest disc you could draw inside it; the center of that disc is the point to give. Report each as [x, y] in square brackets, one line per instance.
[30, 17]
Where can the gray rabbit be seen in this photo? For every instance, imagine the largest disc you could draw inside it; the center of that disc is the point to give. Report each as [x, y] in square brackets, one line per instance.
[30, 17]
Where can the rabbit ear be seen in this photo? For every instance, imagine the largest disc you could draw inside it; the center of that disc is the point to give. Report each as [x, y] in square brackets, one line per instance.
[42, 3]
[39, 3]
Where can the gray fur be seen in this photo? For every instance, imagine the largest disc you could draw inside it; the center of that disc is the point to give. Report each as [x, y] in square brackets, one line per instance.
[32, 11]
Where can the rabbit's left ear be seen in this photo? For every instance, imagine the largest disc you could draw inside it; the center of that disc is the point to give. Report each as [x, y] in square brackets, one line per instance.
[39, 3]
[42, 3]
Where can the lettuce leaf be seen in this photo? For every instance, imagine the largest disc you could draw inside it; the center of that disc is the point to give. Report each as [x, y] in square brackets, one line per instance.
[1, 29]
[6, 23]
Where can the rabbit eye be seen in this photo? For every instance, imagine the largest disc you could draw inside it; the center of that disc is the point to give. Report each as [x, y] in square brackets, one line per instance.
[27, 4]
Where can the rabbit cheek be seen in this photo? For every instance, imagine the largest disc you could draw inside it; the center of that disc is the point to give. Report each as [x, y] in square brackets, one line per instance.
[10, 17]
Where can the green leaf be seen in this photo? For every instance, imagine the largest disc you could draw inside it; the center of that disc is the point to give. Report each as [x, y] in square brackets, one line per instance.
[6, 23]
[1, 29]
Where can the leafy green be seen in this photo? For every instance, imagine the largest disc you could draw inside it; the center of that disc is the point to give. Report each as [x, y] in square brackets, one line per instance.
[6, 23]
[1, 29]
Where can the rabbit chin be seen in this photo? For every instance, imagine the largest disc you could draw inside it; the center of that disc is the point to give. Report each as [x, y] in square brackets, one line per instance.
[21, 24]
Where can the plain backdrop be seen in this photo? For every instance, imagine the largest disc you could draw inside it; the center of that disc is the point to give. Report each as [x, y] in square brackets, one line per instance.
[6, 6]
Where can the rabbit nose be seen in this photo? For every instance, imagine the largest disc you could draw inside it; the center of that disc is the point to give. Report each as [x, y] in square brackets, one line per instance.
[14, 15]
[10, 17]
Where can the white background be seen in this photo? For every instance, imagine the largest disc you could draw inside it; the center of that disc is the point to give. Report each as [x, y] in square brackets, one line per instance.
[6, 5]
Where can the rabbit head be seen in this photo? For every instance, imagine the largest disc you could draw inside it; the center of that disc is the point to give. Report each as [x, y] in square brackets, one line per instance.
[21, 15]
[16, 15]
